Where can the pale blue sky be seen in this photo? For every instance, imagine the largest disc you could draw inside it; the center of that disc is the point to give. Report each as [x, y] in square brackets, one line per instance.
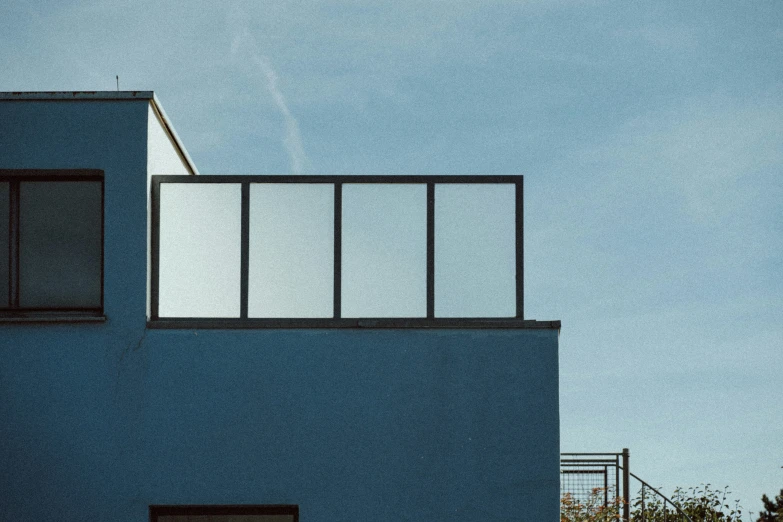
[650, 137]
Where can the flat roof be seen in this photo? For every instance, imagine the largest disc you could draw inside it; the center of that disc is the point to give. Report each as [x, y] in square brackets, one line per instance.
[147, 96]
[78, 95]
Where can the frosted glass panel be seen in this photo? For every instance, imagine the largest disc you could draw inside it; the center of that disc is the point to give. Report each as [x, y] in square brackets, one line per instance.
[200, 248]
[384, 250]
[291, 261]
[60, 244]
[475, 250]
[4, 219]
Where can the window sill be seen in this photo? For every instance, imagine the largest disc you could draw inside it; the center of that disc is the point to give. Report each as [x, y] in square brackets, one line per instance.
[51, 317]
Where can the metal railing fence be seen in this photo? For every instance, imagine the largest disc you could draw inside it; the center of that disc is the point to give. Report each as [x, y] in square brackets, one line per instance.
[590, 477]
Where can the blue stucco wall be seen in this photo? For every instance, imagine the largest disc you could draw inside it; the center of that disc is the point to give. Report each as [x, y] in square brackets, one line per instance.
[98, 421]
[95, 134]
[365, 425]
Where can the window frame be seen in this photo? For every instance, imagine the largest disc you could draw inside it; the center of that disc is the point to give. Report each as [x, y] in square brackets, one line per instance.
[12, 311]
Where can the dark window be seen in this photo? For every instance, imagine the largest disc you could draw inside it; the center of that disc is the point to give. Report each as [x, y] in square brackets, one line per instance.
[51, 242]
[244, 513]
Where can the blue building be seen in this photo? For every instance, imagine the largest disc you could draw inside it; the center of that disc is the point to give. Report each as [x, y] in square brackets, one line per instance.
[165, 352]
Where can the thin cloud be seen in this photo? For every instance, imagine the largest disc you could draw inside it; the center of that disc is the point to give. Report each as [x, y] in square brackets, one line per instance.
[292, 138]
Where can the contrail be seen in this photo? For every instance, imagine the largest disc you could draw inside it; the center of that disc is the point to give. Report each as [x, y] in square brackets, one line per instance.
[292, 139]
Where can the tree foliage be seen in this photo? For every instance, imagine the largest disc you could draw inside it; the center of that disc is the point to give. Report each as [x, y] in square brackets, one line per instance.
[701, 504]
[592, 510]
[773, 509]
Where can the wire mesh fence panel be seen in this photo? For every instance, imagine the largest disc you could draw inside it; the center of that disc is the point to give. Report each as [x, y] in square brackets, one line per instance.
[588, 484]
[591, 479]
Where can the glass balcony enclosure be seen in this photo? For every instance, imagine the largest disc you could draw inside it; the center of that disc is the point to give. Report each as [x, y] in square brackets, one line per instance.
[321, 251]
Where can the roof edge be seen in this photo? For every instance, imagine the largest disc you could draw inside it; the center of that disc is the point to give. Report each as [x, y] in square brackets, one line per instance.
[77, 95]
[181, 150]
[420, 323]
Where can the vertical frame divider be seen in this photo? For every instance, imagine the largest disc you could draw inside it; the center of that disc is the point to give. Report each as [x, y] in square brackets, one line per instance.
[338, 248]
[13, 242]
[10, 252]
[103, 241]
[245, 251]
[155, 248]
[430, 250]
[520, 248]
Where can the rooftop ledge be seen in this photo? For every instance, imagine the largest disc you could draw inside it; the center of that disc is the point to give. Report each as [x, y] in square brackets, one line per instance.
[78, 95]
[369, 323]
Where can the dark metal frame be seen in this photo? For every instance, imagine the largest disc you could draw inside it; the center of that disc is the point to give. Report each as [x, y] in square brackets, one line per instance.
[337, 321]
[11, 311]
[217, 510]
[599, 464]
